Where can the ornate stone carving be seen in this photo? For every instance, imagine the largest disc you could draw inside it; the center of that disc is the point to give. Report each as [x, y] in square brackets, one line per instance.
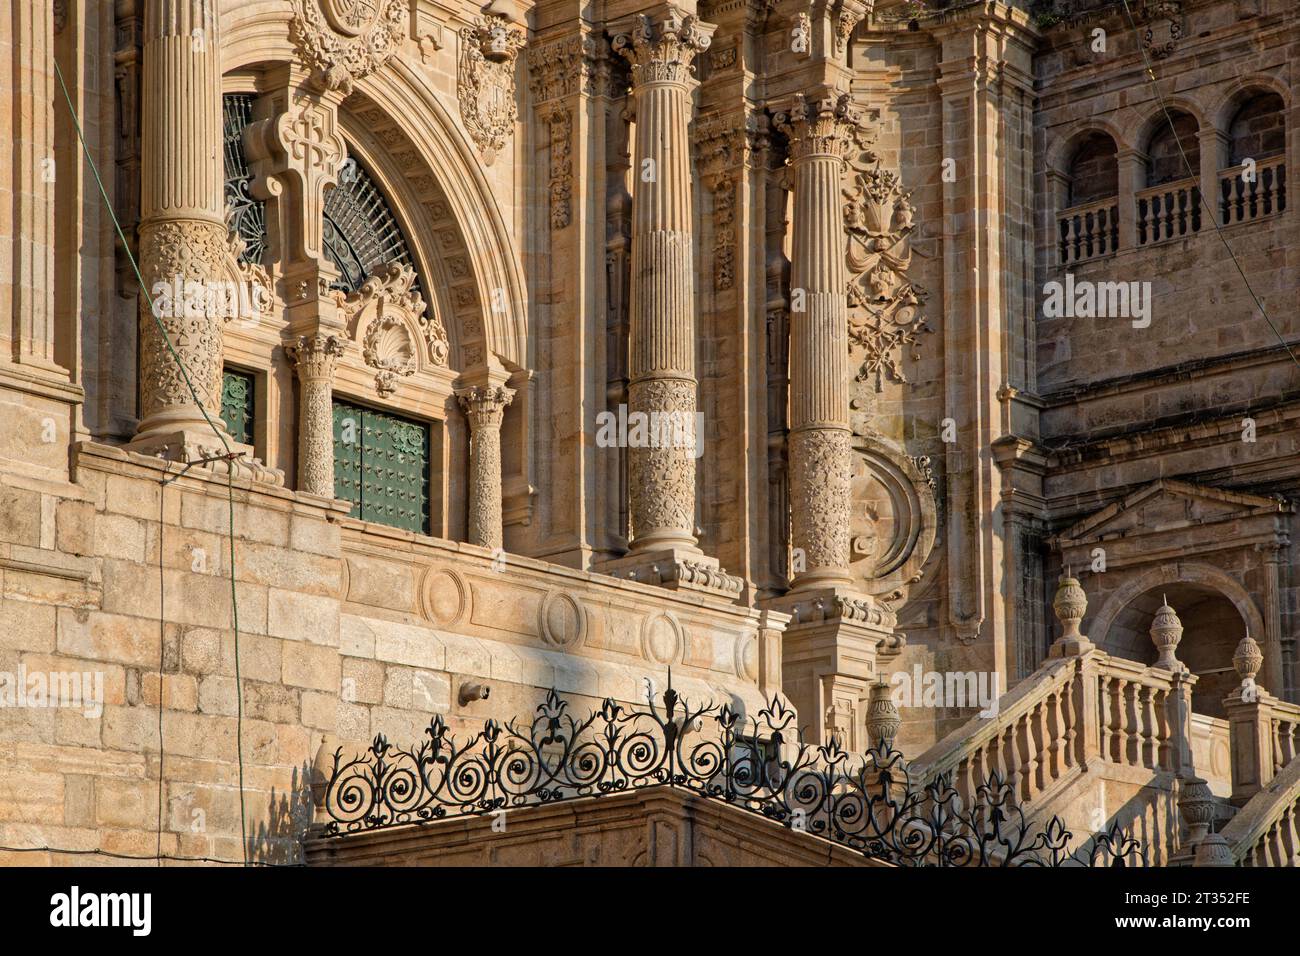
[883, 302]
[821, 483]
[845, 23]
[565, 67]
[1163, 20]
[348, 39]
[1166, 632]
[194, 251]
[484, 407]
[485, 82]
[663, 50]
[661, 480]
[389, 309]
[724, 149]
[894, 518]
[561, 183]
[315, 357]
[818, 125]
[60, 15]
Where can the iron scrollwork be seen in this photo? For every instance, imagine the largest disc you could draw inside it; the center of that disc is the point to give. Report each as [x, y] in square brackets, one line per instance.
[872, 802]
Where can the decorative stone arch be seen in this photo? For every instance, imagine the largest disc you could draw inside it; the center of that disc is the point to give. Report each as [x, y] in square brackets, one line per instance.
[1060, 152]
[257, 34]
[1181, 572]
[1144, 121]
[1239, 90]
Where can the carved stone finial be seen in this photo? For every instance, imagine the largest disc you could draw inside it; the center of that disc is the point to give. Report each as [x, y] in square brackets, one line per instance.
[1247, 659]
[1166, 632]
[883, 719]
[1070, 605]
[1196, 806]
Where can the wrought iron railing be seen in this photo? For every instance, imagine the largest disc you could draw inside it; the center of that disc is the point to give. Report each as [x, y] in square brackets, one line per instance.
[868, 802]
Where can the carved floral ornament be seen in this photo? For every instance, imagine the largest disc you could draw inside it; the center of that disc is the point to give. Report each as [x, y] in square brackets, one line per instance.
[663, 50]
[399, 336]
[341, 41]
[883, 302]
[1163, 21]
[485, 81]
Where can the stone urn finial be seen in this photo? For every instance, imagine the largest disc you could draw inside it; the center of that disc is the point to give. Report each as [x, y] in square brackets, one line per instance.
[1196, 804]
[1247, 659]
[1070, 605]
[883, 719]
[1166, 632]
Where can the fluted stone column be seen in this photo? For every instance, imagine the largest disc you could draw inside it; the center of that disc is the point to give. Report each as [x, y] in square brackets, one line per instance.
[820, 444]
[315, 357]
[661, 480]
[182, 229]
[484, 407]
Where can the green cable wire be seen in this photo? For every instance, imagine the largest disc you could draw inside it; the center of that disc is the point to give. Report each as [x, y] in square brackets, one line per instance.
[230, 471]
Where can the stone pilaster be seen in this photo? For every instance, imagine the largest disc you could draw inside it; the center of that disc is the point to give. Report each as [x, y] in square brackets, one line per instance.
[315, 356]
[183, 233]
[484, 407]
[662, 479]
[821, 455]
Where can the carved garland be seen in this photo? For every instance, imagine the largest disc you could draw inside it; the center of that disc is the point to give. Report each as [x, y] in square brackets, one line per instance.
[349, 39]
[485, 82]
[883, 301]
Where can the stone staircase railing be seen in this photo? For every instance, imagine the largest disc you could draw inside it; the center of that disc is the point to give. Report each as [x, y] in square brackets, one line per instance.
[1085, 711]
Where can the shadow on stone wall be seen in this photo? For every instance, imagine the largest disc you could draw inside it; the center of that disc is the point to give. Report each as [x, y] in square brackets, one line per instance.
[278, 839]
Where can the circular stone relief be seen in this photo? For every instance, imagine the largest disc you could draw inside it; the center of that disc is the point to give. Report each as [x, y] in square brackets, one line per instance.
[561, 620]
[894, 517]
[351, 17]
[444, 596]
[747, 656]
[661, 638]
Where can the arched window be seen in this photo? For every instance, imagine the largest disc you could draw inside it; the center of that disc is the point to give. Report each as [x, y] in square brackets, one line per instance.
[1094, 170]
[247, 215]
[1089, 227]
[1255, 184]
[1170, 206]
[1174, 152]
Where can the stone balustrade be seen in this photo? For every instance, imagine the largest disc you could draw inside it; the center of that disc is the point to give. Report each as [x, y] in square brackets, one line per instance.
[1088, 231]
[1243, 201]
[1168, 211]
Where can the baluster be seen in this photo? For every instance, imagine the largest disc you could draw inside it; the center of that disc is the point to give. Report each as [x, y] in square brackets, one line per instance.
[1103, 715]
[1058, 734]
[1067, 711]
[1013, 758]
[1266, 177]
[1164, 731]
[1121, 721]
[1291, 854]
[1034, 742]
[1148, 727]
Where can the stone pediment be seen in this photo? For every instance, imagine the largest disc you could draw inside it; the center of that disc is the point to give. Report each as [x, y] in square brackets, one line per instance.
[1168, 505]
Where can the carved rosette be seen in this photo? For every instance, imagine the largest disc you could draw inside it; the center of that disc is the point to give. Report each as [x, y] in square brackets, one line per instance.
[485, 82]
[661, 479]
[341, 41]
[194, 251]
[484, 407]
[821, 489]
[662, 50]
[315, 357]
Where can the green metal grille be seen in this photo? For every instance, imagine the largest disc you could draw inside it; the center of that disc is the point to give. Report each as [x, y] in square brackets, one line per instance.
[237, 405]
[381, 465]
[247, 215]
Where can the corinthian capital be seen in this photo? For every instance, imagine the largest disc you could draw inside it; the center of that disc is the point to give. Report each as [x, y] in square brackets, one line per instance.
[818, 124]
[661, 48]
[315, 355]
[485, 405]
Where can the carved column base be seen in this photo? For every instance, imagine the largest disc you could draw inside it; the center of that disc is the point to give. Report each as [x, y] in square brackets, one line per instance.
[678, 569]
[829, 660]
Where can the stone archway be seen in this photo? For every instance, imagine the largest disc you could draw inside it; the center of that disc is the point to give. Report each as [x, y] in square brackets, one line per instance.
[1212, 627]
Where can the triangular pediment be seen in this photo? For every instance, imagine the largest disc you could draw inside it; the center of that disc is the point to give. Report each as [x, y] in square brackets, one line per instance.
[1166, 505]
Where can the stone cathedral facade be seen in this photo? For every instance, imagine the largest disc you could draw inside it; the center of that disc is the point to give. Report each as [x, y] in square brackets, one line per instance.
[796, 346]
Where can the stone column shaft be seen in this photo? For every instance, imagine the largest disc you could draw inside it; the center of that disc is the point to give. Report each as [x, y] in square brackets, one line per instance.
[821, 454]
[315, 357]
[662, 315]
[183, 232]
[484, 407]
